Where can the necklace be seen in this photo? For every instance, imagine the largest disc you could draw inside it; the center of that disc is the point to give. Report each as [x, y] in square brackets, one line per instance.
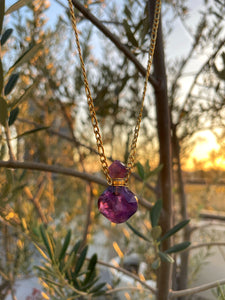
[117, 203]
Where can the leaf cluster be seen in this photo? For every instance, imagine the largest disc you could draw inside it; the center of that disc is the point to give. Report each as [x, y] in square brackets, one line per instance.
[65, 271]
[156, 238]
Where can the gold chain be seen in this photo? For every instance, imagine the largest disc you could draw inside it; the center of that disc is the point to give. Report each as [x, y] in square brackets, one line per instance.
[94, 121]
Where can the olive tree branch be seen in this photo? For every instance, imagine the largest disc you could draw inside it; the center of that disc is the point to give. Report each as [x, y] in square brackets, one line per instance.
[205, 245]
[195, 290]
[115, 40]
[124, 271]
[64, 171]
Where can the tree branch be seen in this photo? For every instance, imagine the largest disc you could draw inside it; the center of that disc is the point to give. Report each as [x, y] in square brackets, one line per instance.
[115, 40]
[124, 271]
[64, 171]
[205, 245]
[197, 289]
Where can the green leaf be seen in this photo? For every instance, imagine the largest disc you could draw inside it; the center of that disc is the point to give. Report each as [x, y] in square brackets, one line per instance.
[2, 12]
[11, 83]
[25, 94]
[3, 111]
[141, 170]
[6, 35]
[156, 263]
[26, 56]
[69, 262]
[1, 76]
[65, 245]
[155, 171]
[155, 213]
[173, 230]
[91, 269]
[135, 231]
[41, 252]
[166, 257]
[13, 115]
[31, 131]
[47, 241]
[17, 6]
[76, 247]
[127, 12]
[97, 288]
[130, 34]
[178, 247]
[92, 262]
[80, 260]
[156, 232]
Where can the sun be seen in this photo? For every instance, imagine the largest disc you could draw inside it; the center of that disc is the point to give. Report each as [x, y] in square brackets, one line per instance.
[206, 153]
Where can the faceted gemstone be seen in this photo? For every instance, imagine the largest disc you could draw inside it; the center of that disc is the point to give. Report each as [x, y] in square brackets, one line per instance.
[117, 170]
[117, 203]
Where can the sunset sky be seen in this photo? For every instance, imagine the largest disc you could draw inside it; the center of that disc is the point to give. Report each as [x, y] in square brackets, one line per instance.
[201, 152]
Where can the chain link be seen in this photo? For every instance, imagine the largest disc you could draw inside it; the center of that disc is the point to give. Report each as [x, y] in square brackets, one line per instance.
[94, 121]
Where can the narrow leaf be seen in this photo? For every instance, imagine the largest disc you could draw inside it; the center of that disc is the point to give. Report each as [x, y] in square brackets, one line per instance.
[11, 83]
[141, 170]
[92, 262]
[80, 260]
[155, 213]
[130, 34]
[65, 245]
[31, 131]
[47, 242]
[25, 94]
[13, 115]
[156, 264]
[97, 287]
[69, 262]
[3, 111]
[155, 171]
[166, 257]
[156, 232]
[26, 56]
[173, 230]
[135, 231]
[16, 6]
[1, 76]
[41, 252]
[2, 12]
[6, 35]
[91, 269]
[76, 247]
[178, 247]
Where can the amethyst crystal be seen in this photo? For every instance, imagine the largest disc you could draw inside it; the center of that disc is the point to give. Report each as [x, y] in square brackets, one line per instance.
[117, 203]
[117, 170]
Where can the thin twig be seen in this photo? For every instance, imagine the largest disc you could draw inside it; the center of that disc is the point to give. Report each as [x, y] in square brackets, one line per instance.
[205, 245]
[124, 271]
[196, 290]
[35, 200]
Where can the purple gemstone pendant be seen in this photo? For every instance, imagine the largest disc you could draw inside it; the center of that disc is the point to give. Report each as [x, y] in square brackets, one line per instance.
[117, 203]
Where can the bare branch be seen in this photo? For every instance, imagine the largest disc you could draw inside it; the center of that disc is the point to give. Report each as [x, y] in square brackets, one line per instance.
[197, 289]
[124, 271]
[64, 171]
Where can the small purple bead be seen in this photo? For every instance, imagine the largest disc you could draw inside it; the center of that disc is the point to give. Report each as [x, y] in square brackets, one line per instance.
[117, 170]
[117, 203]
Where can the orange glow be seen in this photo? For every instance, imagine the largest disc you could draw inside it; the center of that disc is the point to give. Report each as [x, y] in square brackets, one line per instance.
[201, 157]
